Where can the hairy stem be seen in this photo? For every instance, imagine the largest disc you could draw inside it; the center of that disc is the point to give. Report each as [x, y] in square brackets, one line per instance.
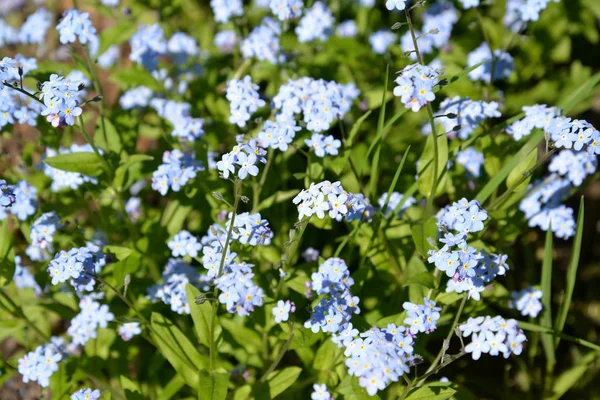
[215, 303]
[434, 183]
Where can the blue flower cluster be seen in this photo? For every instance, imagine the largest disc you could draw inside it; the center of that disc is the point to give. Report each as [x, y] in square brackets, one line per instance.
[226, 9]
[470, 114]
[421, 317]
[63, 179]
[415, 86]
[574, 166]
[33, 31]
[79, 265]
[226, 41]
[109, 57]
[147, 44]
[334, 311]
[542, 206]
[128, 330]
[470, 270]
[331, 197]
[61, 99]
[286, 9]
[493, 336]
[238, 292]
[527, 301]
[278, 134]
[138, 97]
[503, 64]
[519, 12]
[7, 195]
[16, 107]
[438, 21]
[318, 100]
[347, 29]
[39, 365]
[251, 229]
[92, 316]
[86, 394]
[176, 276]
[394, 202]
[381, 40]
[23, 278]
[537, 116]
[310, 254]
[184, 243]
[242, 159]
[244, 100]
[42, 236]
[76, 25]
[178, 114]
[281, 312]
[320, 392]
[323, 144]
[576, 134]
[378, 356]
[316, 24]
[176, 171]
[471, 160]
[263, 42]
[469, 3]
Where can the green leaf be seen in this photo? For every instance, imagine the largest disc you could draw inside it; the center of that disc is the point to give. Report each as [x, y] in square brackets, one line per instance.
[379, 137]
[355, 128]
[546, 287]
[528, 326]
[113, 139]
[277, 198]
[432, 391]
[570, 377]
[127, 266]
[131, 389]
[7, 259]
[116, 34]
[582, 92]
[571, 275]
[213, 386]
[426, 171]
[395, 180]
[423, 279]
[201, 315]
[172, 388]
[128, 170]
[85, 163]
[246, 337]
[278, 382]
[496, 181]
[177, 349]
[120, 253]
[520, 171]
[134, 76]
[422, 232]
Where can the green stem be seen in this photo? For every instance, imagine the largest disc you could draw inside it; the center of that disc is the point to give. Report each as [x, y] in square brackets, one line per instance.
[98, 89]
[446, 342]
[277, 360]
[121, 296]
[89, 140]
[431, 197]
[258, 187]
[25, 92]
[215, 303]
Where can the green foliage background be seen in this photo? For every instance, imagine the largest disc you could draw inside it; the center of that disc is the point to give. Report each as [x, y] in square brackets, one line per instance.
[556, 64]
